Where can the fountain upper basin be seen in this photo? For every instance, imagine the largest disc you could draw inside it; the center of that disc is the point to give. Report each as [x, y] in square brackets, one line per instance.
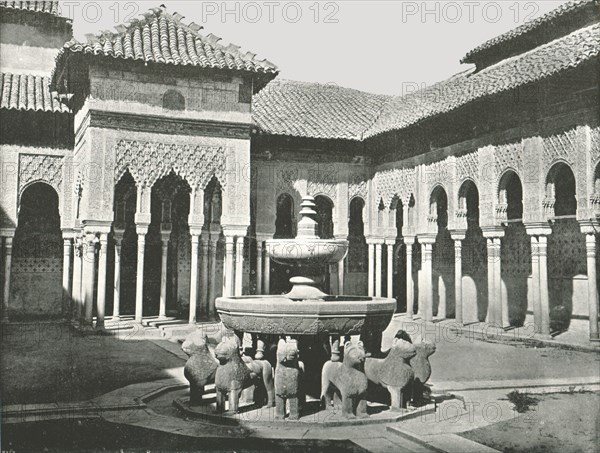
[307, 251]
[331, 315]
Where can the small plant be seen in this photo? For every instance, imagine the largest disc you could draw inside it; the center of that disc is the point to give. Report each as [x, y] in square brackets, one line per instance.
[522, 401]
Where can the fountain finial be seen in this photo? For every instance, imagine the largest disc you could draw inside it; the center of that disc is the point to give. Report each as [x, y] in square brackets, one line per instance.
[307, 225]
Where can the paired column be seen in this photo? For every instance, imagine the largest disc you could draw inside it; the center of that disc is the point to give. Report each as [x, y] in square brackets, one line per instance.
[229, 264]
[8, 243]
[142, 230]
[162, 311]
[101, 296]
[497, 305]
[267, 274]
[117, 278]
[410, 294]
[390, 269]
[194, 278]
[371, 270]
[204, 256]
[88, 277]
[76, 294]
[458, 292]
[212, 266]
[341, 276]
[590, 246]
[539, 279]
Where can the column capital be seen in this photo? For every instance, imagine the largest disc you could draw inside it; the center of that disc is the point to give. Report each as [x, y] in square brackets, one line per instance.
[538, 229]
[375, 240]
[93, 227]
[141, 229]
[195, 230]
[235, 230]
[589, 226]
[68, 233]
[458, 235]
[409, 240]
[7, 232]
[427, 238]
[493, 232]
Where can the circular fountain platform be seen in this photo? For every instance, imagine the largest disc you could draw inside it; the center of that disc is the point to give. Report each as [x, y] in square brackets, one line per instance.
[329, 315]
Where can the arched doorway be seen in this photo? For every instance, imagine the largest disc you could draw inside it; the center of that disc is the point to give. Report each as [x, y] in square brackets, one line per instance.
[37, 257]
[357, 260]
[516, 248]
[566, 250]
[474, 256]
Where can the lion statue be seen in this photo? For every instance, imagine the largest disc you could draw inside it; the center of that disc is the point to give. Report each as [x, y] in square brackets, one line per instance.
[288, 378]
[235, 374]
[393, 372]
[348, 379]
[422, 368]
[200, 368]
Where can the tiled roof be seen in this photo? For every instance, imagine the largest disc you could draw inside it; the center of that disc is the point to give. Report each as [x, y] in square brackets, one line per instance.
[544, 61]
[162, 38]
[528, 27]
[302, 109]
[323, 111]
[28, 92]
[40, 7]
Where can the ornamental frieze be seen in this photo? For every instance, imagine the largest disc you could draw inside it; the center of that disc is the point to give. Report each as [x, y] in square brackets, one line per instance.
[508, 156]
[40, 167]
[595, 144]
[561, 146]
[395, 182]
[147, 162]
[467, 167]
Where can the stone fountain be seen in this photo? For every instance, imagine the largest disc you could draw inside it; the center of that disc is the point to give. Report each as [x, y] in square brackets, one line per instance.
[305, 327]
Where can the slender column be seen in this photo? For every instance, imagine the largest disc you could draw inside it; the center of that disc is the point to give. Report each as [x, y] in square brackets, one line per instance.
[378, 266]
[239, 265]
[458, 293]
[410, 295]
[229, 272]
[117, 280]
[88, 277]
[139, 283]
[590, 244]
[427, 279]
[501, 302]
[101, 296]
[371, 271]
[77, 271]
[66, 280]
[491, 251]
[162, 311]
[8, 243]
[544, 299]
[259, 265]
[535, 285]
[204, 257]
[341, 276]
[194, 279]
[390, 270]
[212, 287]
[333, 279]
[267, 275]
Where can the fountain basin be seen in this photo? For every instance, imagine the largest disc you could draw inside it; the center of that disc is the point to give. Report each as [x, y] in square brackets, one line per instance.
[305, 251]
[330, 315]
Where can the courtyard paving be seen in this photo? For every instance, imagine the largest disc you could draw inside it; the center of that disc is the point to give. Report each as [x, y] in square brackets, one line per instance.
[53, 363]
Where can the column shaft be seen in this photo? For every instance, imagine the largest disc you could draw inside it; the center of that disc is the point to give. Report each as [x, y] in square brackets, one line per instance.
[239, 265]
[341, 276]
[139, 282]
[410, 295]
[229, 268]
[501, 302]
[117, 280]
[101, 296]
[390, 270]
[8, 241]
[212, 287]
[428, 280]
[491, 310]
[590, 242]
[66, 280]
[194, 279]
[77, 274]
[458, 293]
[371, 271]
[544, 298]
[535, 285]
[267, 275]
[378, 270]
[88, 277]
[162, 311]
[259, 265]
[204, 257]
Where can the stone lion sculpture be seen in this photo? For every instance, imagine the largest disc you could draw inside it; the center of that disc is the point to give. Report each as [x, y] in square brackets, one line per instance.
[288, 376]
[234, 374]
[393, 372]
[421, 367]
[200, 368]
[349, 379]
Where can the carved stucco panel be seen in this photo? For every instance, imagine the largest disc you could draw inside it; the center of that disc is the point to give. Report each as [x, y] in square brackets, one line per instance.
[395, 182]
[40, 167]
